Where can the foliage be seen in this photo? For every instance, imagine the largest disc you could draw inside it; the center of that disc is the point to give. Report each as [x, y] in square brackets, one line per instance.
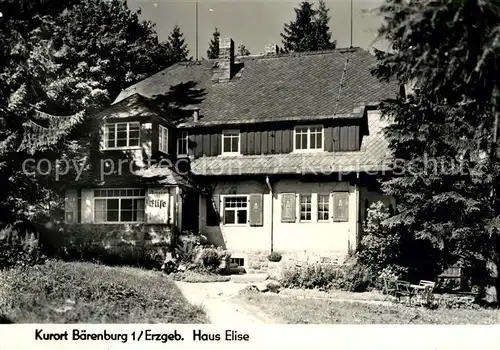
[199, 277]
[60, 292]
[274, 257]
[354, 278]
[211, 257]
[441, 135]
[62, 58]
[309, 31]
[188, 247]
[310, 276]
[243, 51]
[177, 48]
[213, 45]
[19, 250]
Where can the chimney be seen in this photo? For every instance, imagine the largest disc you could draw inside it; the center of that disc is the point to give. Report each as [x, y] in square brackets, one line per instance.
[196, 114]
[226, 59]
[272, 49]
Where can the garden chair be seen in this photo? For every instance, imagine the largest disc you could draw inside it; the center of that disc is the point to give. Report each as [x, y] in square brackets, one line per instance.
[404, 290]
[390, 288]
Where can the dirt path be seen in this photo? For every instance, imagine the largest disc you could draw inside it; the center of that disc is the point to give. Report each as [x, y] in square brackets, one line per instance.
[219, 304]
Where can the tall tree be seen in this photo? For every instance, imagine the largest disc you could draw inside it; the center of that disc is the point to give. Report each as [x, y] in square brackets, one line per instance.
[243, 51]
[323, 33]
[310, 30]
[177, 48]
[213, 46]
[61, 58]
[300, 35]
[443, 134]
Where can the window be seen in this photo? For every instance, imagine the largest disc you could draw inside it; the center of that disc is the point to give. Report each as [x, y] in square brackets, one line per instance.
[119, 205]
[323, 207]
[163, 139]
[122, 135]
[231, 142]
[305, 207]
[308, 138]
[240, 262]
[182, 143]
[235, 210]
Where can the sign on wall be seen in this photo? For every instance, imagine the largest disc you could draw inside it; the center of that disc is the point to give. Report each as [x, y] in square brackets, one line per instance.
[158, 206]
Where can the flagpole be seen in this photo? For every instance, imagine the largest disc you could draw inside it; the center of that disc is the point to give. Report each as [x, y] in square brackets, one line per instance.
[351, 23]
[196, 29]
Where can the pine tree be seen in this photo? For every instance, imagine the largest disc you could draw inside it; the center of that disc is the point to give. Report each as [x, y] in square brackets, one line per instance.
[177, 47]
[213, 48]
[243, 51]
[323, 34]
[442, 133]
[300, 35]
[310, 31]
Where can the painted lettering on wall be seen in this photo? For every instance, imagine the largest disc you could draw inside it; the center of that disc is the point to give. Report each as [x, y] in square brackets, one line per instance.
[157, 208]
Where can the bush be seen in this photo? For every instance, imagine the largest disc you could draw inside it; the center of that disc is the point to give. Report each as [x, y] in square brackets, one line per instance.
[310, 276]
[188, 248]
[18, 250]
[212, 257]
[274, 257]
[354, 278]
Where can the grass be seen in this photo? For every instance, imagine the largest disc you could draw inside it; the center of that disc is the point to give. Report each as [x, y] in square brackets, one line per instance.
[197, 277]
[61, 292]
[296, 310]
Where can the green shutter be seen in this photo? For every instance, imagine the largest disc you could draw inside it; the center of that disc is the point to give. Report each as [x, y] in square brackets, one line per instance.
[341, 206]
[288, 207]
[256, 211]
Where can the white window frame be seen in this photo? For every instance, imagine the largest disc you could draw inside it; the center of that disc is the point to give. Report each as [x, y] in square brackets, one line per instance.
[106, 133]
[232, 131]
[308, 148]
[299, 209]
[223, 209]
[119, 197]
[328, 203]
[180, 140]
[163, 139]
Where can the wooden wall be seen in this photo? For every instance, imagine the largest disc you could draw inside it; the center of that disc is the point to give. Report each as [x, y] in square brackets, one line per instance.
[273, 140]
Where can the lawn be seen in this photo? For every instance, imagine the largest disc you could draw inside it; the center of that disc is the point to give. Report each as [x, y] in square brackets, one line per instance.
[61, 292]
[293, 309]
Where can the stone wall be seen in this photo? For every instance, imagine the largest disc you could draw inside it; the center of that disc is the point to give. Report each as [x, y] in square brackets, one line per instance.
[257, 261]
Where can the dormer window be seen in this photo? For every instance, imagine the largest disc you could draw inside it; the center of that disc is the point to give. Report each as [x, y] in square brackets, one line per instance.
[308, 138]
[231, 142]
[122, 135]
[163, 139]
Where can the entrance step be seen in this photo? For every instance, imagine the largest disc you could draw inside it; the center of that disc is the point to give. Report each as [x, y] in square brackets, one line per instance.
[250, 278]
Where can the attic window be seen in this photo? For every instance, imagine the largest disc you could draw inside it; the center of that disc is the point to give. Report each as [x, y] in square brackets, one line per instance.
[122, 135]
[308, 138]
[163, 139]
[231, 142]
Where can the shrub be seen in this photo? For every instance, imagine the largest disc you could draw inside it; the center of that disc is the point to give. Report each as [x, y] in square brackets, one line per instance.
[354, 278]
[211, 257]
[274, 257]
[18, 250]
[310, 276]
[188, 248]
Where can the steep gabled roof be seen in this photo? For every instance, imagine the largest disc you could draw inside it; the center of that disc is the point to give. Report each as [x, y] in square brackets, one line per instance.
[299, 86]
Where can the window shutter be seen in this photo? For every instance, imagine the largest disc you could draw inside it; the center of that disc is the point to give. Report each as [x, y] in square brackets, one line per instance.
[213, 210]
[341, 206]
[70, 206]
[256, 210]
[288, 207]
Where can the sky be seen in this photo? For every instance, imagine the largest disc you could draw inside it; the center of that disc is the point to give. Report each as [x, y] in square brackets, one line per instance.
[256, 24]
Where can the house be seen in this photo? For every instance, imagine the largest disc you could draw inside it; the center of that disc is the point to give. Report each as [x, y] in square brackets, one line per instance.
[278, 152]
